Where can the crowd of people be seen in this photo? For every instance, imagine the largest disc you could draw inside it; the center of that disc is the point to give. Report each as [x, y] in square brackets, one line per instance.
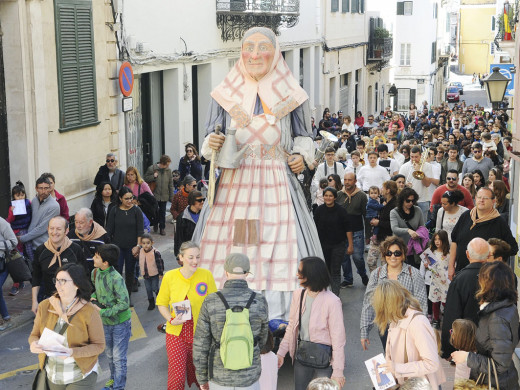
[423, 194]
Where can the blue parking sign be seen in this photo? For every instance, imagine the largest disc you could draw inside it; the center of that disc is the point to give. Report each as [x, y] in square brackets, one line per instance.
[505, 69]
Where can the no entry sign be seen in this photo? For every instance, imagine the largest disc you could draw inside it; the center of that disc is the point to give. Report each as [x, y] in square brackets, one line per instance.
[126, 79]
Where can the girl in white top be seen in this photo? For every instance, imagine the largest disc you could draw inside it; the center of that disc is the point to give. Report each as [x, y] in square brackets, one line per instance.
[463, 339]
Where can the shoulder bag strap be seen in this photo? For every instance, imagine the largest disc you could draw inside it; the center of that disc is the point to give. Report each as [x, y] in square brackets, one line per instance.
[61, 332]
[300, 315]
[405, 332]
[139, 190]
[442, 218]
[325, 168]
[335, 169]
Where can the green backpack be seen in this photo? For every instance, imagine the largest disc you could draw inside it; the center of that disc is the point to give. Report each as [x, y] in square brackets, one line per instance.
[237, 342]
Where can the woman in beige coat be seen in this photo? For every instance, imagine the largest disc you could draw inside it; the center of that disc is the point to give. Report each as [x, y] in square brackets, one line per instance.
[411, 347]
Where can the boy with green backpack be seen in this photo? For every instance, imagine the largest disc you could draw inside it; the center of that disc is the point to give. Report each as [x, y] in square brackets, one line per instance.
[231, 330]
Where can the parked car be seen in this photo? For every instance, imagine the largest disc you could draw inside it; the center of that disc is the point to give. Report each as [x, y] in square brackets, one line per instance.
[459, 86]
[452, 94]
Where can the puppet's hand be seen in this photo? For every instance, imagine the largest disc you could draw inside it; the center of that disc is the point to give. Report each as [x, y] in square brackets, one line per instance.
[216, 141]
[295, 162]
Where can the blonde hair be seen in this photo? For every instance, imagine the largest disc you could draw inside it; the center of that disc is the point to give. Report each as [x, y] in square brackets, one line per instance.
[390, 302]
[323, 384]
[138, 177]
[463, 335]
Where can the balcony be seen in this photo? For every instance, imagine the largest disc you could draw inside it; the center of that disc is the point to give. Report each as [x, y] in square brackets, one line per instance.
[380, 49]
[234, 17]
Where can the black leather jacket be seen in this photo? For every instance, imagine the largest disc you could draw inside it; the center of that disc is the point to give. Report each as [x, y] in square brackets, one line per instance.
[497, 337]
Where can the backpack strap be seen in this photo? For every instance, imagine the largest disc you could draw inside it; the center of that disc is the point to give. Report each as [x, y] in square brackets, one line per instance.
[251, 298]
[221, 296]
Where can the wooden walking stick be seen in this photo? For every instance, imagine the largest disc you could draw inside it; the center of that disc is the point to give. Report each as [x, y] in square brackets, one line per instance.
[212, 175]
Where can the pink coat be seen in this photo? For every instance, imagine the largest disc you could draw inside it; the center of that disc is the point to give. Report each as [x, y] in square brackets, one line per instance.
[325, 327]
[421, 348]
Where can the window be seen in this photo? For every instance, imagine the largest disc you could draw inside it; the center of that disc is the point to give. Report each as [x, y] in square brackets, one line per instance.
[344, 80]
[435, 10]
[405, 54]
[404, 7]
[448, 22]
[493, 23]
[405, 97]
[76, 64]
[355, 6]
[357, 75]
[434, 52]
[334, 5]
[345, 6]
[492, 48]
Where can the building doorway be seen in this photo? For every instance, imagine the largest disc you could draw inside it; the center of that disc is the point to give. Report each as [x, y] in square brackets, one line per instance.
[5, 182]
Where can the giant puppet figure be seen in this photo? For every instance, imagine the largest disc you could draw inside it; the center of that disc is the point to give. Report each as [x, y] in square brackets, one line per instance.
[260, 209]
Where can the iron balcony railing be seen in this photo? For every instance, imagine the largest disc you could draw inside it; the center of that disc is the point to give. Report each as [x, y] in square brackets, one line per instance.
[380, 49]
[285, 7]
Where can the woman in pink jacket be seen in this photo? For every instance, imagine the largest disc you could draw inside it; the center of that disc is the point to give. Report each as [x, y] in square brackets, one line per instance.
[411, 347]
[321, 322]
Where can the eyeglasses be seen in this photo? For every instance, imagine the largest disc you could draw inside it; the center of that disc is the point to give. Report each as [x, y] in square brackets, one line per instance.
[200, 200]
[61, 282]
[451, 178]
[395, 253]
[128, 198]
[409, 200]
[111, 160]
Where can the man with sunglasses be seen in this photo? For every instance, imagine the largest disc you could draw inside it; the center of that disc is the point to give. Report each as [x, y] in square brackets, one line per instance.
[478, 161]
[187, 221]
[452, 184]
[109, 172]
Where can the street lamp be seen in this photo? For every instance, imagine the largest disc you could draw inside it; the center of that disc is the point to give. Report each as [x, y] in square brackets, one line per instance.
[496, 85]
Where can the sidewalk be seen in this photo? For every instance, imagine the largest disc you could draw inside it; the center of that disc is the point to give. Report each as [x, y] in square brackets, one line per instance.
[19, 306]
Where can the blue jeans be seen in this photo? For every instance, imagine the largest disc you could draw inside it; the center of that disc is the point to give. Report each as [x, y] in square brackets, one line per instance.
[357, 256]
[127, 260]
[117, 338]
[152, 286]
[3, 307]
[425, 208]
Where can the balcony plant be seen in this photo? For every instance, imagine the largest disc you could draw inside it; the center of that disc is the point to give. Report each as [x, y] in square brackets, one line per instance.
[381, 32]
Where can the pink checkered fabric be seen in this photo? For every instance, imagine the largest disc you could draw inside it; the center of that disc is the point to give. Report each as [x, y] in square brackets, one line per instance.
[257, 192]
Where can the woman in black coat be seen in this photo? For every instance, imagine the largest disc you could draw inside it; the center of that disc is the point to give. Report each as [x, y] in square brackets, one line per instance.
[104, 200]
[382, 223]
[187, 220]
[190, 164]
[497, 332]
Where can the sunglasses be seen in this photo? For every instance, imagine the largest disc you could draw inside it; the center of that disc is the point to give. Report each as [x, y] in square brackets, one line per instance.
[331, 179]
[200, 200]
[189, 150]
[409, 200]
[111, 161]
[451, 178]
[395, 253]
[127, 198]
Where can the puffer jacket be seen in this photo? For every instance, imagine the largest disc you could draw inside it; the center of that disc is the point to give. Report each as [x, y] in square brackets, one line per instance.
[210, 325]
[164, 182]
[184, 230]
[497, 337]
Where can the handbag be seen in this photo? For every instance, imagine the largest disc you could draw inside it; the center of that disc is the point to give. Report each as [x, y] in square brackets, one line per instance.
[309, 354]
[479, 383]
[40, 379]
[17, 266]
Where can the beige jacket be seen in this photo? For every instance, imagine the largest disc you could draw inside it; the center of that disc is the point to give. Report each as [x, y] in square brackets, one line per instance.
[421, 349]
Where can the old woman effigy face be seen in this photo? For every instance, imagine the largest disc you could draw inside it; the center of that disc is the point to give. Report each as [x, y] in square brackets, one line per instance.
[257, 55]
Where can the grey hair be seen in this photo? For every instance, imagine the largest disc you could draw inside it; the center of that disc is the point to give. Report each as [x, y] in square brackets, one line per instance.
[342, 152]
[86, 212]
[416, 384]
[112, 155]
[187, 245]
[476, 249]
[262, 30]
[323, 384]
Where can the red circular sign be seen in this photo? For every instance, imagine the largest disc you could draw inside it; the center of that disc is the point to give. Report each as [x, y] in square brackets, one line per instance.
[126, 79]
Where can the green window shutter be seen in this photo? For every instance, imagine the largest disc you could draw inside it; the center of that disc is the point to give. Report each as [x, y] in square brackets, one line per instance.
[354, 8]
[345, 6]
[412, 96]
[76, 64]
[362, 6]
[400, 8]
[334, 5]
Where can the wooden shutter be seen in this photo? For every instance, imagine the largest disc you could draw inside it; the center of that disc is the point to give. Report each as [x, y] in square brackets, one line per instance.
[345, 6]
[412, 96]
[400, 8]
[76, 64]
[334, 5]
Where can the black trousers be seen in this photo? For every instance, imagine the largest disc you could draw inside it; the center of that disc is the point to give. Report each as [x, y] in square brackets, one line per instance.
[333, 258]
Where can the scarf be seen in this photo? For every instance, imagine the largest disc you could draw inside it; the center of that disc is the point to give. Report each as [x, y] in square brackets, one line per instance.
[50, 246]
[349, 197]
[96, 232]
[184, 193]
[405, 216]
[55, 302]
[488, 217]
[278, 90]
[147, 263]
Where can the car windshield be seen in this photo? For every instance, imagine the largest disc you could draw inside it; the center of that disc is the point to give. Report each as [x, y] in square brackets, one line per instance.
[453, 90]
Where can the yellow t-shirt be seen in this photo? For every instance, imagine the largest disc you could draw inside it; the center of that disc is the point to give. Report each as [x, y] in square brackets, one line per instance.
[175, 288]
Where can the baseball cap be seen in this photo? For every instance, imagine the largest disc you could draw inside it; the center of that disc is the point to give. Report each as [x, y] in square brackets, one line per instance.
[237, 263]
